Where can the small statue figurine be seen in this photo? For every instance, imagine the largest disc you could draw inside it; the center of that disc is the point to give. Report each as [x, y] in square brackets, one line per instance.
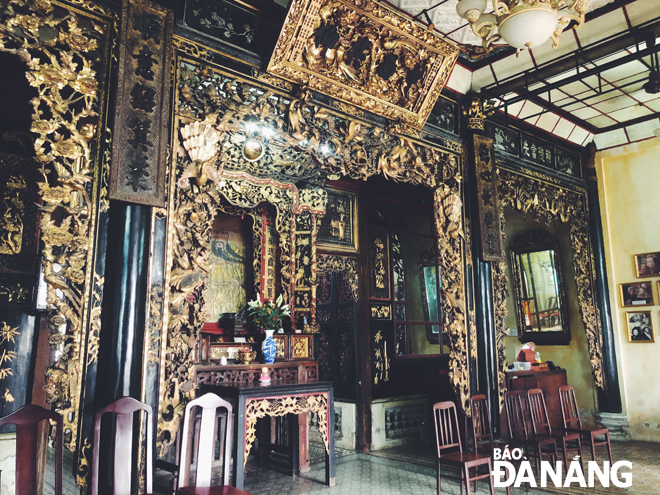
[265, 375]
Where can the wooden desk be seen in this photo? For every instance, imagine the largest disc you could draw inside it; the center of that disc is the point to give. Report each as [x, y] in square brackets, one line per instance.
[548, 381]
[255, 400]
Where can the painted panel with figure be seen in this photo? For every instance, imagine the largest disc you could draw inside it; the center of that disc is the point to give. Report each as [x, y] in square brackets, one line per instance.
[228, 278]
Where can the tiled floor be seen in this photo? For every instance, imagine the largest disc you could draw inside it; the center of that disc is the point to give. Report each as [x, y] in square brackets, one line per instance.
[410, 470]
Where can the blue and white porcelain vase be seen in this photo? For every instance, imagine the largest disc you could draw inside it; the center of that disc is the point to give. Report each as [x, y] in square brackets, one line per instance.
[269, 347]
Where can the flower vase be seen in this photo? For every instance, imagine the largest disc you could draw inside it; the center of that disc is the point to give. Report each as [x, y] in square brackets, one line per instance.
[269, 347]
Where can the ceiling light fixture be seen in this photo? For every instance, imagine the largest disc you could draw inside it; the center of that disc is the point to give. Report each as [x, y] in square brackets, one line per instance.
[522, 23]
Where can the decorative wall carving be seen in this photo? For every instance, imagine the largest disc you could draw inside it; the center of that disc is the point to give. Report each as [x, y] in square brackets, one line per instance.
[15, 292]
[338, 227]
[303, 144]
[13, 210]
[379, 263]
[19, 213]
[380, 311]
[260, 408]
[232, 24]
[366, 54]
[477, 110]
[449, 226]
[381, 359]
[139, 150]
[547, 203]
[500, 295]
[328, 263]
[65, 51]
[7, 336]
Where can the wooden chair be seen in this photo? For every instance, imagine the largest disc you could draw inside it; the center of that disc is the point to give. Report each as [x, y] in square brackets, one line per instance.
[123, 410]
[447, 436]
[542, 428]
[482, 433]
[572, 422]
[207, 434]
[28, 420]
[538, 448]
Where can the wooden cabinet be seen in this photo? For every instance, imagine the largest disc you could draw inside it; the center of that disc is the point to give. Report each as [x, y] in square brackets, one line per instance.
[548, 381]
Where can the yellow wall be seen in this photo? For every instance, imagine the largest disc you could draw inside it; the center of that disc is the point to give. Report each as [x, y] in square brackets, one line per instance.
[574, 358]
[629, 191]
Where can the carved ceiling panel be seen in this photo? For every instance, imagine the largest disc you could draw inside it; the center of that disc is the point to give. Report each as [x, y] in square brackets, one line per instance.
[366, 54]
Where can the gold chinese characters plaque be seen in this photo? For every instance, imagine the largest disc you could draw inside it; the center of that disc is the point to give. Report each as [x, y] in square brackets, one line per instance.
[365, 54]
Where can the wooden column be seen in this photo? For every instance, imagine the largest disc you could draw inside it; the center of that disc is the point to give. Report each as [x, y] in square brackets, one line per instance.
[609, 399]
[487, 247]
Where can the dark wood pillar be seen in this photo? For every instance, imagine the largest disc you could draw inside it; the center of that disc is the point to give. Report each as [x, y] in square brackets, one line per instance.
[123, 321]
[122, 331]
[609, 399]
[486, 379]
[364, 377]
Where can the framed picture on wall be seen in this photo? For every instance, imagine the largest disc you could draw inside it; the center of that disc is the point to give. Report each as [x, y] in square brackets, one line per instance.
[338, 227]
[647, 264]
[636, 294]
[640, 326]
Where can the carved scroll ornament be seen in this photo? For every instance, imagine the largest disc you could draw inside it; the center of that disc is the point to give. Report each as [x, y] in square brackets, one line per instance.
[549, 203]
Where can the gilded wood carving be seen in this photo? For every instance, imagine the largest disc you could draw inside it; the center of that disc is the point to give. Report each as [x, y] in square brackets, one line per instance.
[260, 408]
[246, 144]
[7, 336]
[328, 263]
[364, 53]
[547, 203]
[65, 49]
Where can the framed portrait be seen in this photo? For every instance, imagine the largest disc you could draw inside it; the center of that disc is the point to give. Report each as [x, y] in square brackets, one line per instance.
[338, 227]
[647, 264]
[636, 294]
[640, 326]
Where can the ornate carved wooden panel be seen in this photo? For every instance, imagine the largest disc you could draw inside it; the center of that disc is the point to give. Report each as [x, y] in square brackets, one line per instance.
[19, 213]
[366, 54]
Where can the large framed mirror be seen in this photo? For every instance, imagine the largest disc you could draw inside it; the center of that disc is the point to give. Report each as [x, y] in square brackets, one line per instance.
[538, 284]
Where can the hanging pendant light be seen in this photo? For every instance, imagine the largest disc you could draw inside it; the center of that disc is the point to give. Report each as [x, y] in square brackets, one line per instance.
[521, 23]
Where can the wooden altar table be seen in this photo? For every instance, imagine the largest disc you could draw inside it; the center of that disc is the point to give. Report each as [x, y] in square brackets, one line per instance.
[255, 400]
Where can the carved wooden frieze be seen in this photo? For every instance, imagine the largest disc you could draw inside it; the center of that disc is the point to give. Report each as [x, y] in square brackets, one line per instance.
[139, 150]
[364, 53]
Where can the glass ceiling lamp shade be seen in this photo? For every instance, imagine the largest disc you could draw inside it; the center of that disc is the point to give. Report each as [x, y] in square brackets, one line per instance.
[522, 23]
[526, 28]
[470, 10]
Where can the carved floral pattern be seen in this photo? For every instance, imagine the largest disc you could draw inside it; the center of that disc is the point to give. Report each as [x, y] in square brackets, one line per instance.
[303, 143]
[326, 264]
[547, 203]
[63, 53]
[364, 53]
[260, 408]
